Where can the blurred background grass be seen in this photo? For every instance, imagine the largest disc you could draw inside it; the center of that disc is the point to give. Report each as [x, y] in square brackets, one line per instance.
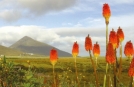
[65, 65]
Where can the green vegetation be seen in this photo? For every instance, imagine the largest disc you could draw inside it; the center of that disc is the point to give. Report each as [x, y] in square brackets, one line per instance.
[38, 72]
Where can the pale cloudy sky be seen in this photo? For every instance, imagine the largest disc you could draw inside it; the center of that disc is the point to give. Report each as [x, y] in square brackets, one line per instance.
[62, 22]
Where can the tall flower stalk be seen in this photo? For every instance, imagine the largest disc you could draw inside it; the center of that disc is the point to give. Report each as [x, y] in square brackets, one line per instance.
[110, 59]
[120, 35]
[53, 60]
[96, 51]
[75, 52]
[113, 39]
[106, 14]
[88, 47]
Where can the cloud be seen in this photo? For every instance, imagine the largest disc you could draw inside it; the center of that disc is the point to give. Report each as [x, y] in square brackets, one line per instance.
[52, 36]
[13, 10]
[80, 31]
[10, 15]
[44, 6]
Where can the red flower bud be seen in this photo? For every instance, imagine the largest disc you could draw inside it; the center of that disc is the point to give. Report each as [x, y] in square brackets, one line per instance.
[106, 12]
[88, 43]
[75, 49]
[113, 38]
[128, 50]
[96, 49]
[53, 56]
[120, 34]
[110, 54]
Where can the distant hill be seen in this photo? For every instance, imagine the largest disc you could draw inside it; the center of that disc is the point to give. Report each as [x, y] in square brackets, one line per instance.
[9, 51]
[29, 45]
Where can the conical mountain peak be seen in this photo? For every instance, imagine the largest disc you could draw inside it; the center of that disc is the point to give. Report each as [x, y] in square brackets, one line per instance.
[29, 45]
[27, 41]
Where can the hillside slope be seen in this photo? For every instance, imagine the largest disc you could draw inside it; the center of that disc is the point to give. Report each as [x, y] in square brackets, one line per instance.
[29, 45]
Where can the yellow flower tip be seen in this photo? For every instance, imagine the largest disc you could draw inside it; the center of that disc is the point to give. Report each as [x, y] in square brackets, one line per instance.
[53, 62]
[28, 61]
[96, 55]
[75, 55]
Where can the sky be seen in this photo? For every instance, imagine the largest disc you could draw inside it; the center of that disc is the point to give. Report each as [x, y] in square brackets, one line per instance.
[62, 22]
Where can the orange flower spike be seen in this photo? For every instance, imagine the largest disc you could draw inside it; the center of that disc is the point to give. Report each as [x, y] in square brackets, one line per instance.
[131, 69]
[128, 50]
[53, 56]
[75, 49]
[120, 34]
[88, 43]
[113, 38]
[96, 49]
[106, 12]
[110, 54]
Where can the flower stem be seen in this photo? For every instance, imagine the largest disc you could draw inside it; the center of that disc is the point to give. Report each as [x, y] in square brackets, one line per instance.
[96, 62]
[54, 76]
[110, 80]
[120, 66]
[105, 76]
[77, 80]
[115, 68]
[106, 35]
[94, 67]
[133, 81]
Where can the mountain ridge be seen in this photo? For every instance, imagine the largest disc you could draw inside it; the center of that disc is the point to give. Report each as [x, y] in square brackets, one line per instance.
[9, 51]
[29, 45]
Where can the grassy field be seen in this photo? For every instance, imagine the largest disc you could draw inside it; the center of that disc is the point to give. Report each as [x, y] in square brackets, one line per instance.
[65, 67]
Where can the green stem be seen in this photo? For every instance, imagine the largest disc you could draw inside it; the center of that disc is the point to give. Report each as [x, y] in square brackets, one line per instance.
[94, 67]
[54, 77]
[133, 81]
[96, 62]
[120, 66]
[114, 69]
[105, 76]
[106, 35]
[110, 80]
[76, 72]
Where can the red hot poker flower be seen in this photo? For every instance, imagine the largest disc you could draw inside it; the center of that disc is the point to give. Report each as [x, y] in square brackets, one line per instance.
[113, 38]
[131, 69]
[110, 54]
[106, 12]
[75, 49]
[120, 34]
[88, 43]
[53, 56]
[128, 50]
[96, 49]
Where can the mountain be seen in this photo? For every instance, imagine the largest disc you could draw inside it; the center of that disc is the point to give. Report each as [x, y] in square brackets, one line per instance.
[29, 45]
[9, 51]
